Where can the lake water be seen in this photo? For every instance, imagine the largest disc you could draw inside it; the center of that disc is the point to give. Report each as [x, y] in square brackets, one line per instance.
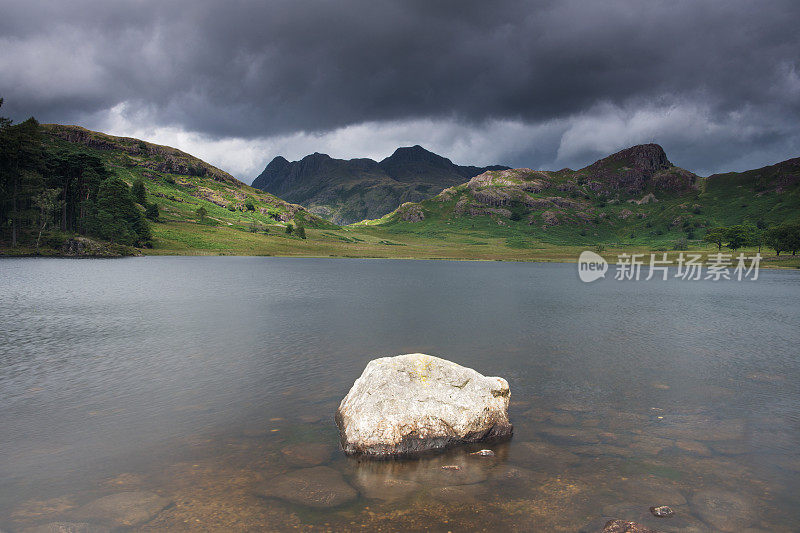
[203, 380]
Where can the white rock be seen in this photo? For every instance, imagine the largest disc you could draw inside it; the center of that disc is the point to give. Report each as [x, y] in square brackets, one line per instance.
[416, 402]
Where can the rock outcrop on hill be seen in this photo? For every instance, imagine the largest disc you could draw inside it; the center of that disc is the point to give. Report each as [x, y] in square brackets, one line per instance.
[634, 190]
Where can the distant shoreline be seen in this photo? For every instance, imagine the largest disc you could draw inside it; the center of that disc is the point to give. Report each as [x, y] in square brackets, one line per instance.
[772, 262]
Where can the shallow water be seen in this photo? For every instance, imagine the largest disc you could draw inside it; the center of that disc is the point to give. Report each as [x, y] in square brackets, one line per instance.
[204, 380]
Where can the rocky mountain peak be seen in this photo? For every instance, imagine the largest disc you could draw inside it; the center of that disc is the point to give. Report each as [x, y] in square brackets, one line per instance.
[316, 156]
[346, 191]
[643, 157]
[629, 169]
[277, 163]
[415, 153]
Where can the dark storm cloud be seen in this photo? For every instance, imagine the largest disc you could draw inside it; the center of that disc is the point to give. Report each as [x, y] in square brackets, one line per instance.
[251, 69]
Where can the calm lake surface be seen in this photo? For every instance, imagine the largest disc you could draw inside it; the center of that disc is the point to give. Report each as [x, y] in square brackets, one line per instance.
[204, 379]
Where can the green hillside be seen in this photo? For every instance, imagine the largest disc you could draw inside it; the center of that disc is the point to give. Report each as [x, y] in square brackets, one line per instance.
[635, 200]
[770, 194]
[635, 197]
[180, 184]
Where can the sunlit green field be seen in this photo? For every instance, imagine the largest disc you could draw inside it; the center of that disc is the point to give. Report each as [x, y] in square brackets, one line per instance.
[240, 220]
[191, 238]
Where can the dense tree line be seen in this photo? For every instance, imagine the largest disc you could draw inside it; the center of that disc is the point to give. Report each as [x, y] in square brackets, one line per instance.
[72, 192]
[782, 238]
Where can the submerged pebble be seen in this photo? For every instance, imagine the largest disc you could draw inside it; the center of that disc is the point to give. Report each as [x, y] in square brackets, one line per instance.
[67, 527]
[319, 487]
[544, 454]
[644, 491]
[307, 454]
[124, 509]
[459, 494]
[374, 485]
[570, 435]
[483, 453]
[624, 526]
[662, 511]
[724, 510]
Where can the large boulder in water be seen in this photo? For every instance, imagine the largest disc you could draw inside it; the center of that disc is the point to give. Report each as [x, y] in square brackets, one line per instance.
[412, 403]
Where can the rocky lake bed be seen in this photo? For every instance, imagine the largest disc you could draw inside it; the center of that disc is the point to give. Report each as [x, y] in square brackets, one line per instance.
[574, 477]
[173, 408]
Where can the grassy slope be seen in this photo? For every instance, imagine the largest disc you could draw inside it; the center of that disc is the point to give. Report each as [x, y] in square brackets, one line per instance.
[180, 194]
[679, 217]
[440, 236]
[770, 193]
[356, 199]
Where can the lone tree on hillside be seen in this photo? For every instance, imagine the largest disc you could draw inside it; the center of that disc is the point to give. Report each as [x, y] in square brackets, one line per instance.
[738, 236]
[139, 193]
[201, 213]
[716, 236]
[289, 229]
[152, 212]
[756, 234]
[47, 202]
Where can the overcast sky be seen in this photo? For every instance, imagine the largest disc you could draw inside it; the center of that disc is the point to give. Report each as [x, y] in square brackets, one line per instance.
[543, 84]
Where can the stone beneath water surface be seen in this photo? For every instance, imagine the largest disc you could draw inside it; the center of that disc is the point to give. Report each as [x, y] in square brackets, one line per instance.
[307, 454]
[515, 478]
[483, 453]
[624, 526]
[385, 488]
[124, 509]
[319, 486]
[67, 527]
[459, 494]
[570, 436]
[662, 511]
[544, 456]
[647, 492]
[723, 510]
[400, 477]
[413, 403]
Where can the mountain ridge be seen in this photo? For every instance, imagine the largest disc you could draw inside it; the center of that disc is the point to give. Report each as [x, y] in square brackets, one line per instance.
[633, 199]
[635, 195]
[349, 190]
